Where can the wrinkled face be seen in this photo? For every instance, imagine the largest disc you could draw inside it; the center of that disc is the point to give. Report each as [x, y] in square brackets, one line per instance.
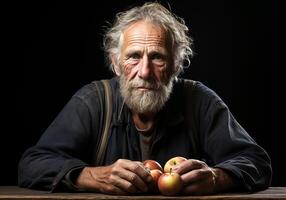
[145, 75]
[144, 52]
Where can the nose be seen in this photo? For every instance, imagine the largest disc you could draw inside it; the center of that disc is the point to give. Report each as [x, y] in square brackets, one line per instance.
[144, 71]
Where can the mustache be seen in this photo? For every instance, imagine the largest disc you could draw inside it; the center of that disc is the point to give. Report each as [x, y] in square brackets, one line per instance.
[152, 84]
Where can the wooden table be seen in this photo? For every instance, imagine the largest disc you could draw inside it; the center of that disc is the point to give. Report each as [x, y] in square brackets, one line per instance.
[14, 192]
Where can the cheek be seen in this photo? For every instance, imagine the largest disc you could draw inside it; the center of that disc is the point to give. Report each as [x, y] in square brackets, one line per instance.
[129, 69]
[162, 74]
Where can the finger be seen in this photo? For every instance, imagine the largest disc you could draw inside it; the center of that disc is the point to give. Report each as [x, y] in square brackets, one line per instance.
[144, 173]
[134, 172]
[193, 189]
[195, 176]
[106, 185]
[203, 181]
[133, 179]
[139, 169]
[123, 184]
[112, 189]
[199, 188]
[188, 165]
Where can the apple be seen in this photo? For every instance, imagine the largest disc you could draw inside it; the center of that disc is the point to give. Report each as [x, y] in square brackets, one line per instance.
[156, 171]
[170, 183]
[173, 162]
[152, 164]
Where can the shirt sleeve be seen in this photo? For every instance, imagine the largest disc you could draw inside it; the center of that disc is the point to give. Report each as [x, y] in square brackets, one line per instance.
[69, 180]
[227, 144]
[62, 147]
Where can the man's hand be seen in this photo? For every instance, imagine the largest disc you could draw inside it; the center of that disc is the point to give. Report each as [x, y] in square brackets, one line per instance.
[121, 178]
[200, 179]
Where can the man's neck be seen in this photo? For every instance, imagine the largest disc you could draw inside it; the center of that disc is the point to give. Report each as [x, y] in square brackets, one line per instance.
[144, 122]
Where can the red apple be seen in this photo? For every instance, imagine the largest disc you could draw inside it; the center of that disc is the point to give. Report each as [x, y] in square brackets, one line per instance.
[152, 164]
[155, 173]
[173, 162]
[170, 183]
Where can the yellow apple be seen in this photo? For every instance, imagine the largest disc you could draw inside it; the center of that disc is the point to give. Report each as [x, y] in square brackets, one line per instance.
[173, 162]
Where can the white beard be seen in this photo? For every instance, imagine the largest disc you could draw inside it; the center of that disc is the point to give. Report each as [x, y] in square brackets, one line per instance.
[147, 101]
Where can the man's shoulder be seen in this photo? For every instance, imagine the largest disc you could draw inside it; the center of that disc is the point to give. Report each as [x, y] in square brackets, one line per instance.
[187, 84]
[93, 89]
[198, 88]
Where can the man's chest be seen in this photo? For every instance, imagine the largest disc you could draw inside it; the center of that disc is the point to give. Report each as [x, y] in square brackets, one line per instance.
[166, 142]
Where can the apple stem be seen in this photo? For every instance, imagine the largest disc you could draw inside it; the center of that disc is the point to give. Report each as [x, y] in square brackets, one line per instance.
[170, 170]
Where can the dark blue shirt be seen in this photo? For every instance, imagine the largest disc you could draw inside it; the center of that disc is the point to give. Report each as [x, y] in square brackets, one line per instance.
[194, 123]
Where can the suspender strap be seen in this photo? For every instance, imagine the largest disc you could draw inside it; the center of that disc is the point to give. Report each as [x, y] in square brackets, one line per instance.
[188, 90]
[104, 135]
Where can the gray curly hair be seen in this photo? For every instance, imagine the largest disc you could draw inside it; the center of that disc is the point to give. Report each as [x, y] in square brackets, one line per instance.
[158, 14]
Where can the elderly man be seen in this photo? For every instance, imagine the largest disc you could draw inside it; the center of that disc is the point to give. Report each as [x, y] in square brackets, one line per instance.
[155, 115]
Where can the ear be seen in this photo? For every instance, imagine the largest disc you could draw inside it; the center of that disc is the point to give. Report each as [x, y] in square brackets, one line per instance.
[116, 68]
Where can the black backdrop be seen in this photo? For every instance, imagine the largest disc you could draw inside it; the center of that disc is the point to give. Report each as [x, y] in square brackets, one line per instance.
[55, 48]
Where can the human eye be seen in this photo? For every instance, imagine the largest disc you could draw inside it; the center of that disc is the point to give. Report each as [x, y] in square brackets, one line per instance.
[158, 58]
[134, 56]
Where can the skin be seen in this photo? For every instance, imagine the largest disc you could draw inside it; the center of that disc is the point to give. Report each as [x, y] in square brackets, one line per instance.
[200, 179]
[145, 54]
[121, 178]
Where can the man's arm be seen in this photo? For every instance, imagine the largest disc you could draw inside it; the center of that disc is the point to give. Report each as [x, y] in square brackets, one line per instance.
[62, 147]
[229, 147]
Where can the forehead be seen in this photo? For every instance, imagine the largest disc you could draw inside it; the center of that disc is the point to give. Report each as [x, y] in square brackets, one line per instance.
[144, 32]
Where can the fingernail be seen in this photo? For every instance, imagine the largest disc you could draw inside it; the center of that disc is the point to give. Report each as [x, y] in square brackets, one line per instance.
[174, 169]
[148, 170]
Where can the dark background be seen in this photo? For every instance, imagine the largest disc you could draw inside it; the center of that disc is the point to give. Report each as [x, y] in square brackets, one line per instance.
[53, 49]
